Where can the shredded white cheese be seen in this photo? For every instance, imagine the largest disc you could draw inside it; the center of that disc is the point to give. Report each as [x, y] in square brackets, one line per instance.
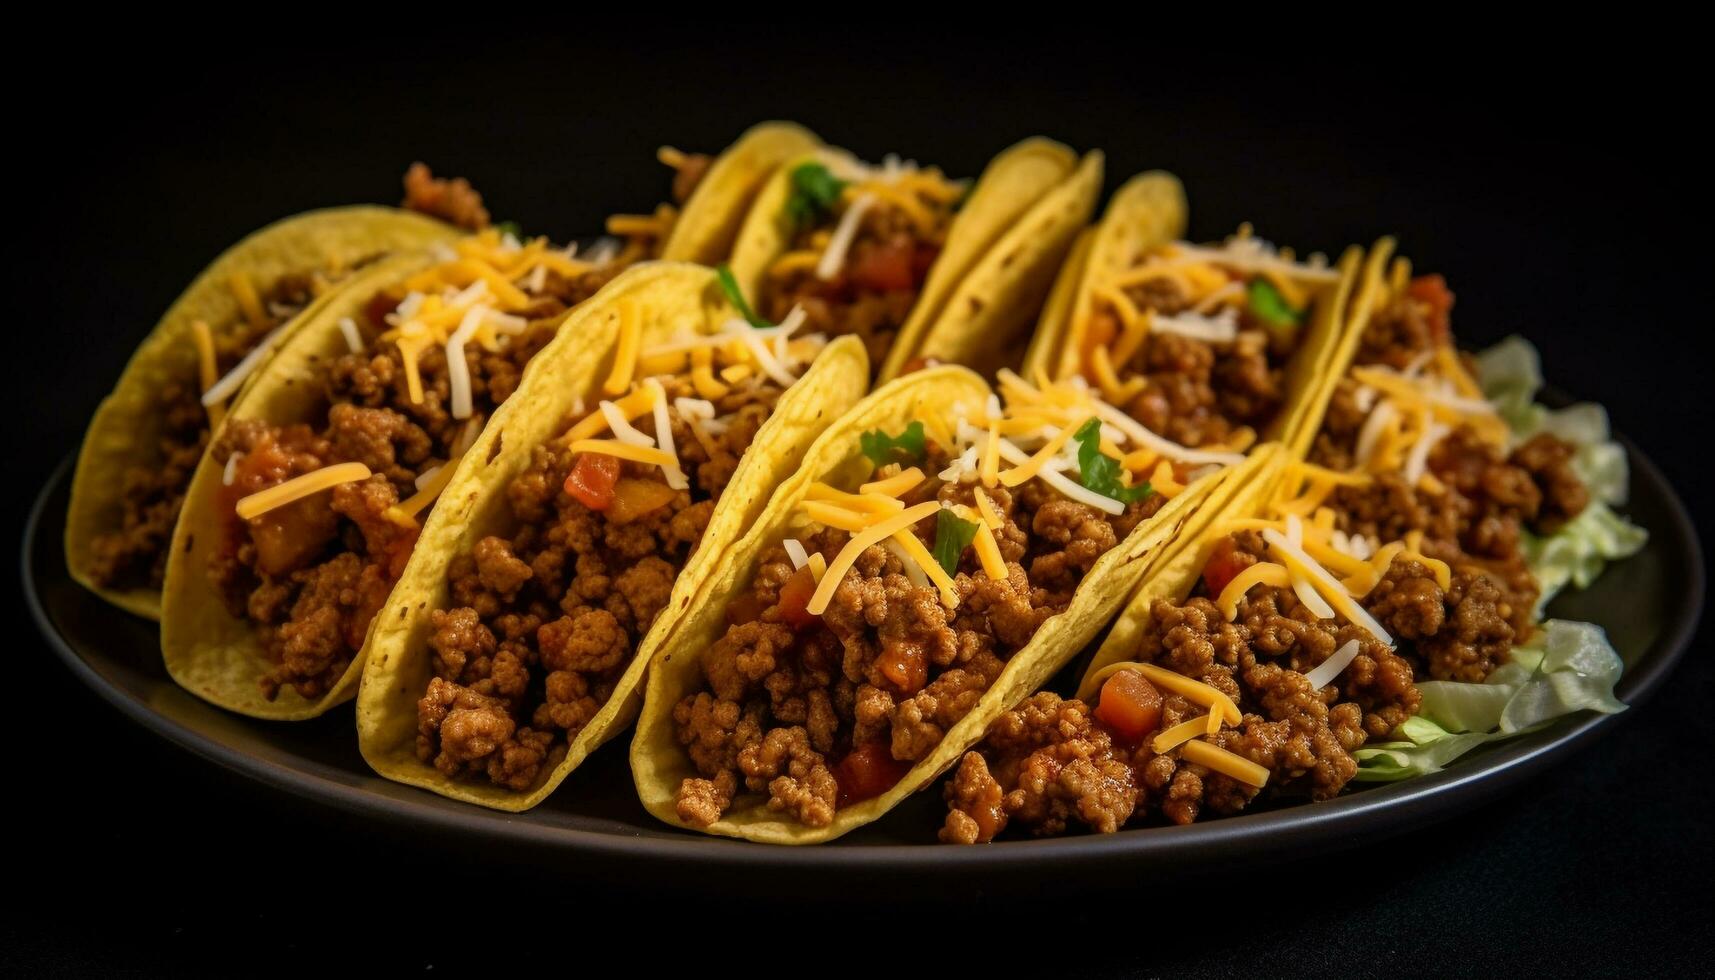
[353, 339]
[844, 233]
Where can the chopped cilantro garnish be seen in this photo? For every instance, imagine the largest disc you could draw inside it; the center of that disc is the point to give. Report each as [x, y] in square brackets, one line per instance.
[1101, 472]
[1271, 308]
[906, 447]
[815, 191]
[953, 534]
[735, 296]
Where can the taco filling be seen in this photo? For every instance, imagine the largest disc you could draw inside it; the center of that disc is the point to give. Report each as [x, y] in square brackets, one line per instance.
[873, 630]
[323, 517]
[1194, 341]
[227, 354]
[1385, 572]
[862, 244]
[136, 554]
[544, 622]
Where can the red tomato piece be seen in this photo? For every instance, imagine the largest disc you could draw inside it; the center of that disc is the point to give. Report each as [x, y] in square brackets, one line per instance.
[795, 597]
[1224, 565]
[868, 771]
[1130, 705]
[592, 480]
[1432, 290]
[885, 266]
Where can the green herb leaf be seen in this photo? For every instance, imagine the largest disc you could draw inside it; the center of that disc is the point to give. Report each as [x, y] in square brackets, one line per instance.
[906, 447]
[1270, 307]
[1101, 472]
[953, 534]
[510, 228]
[735, 296]
[815, 191]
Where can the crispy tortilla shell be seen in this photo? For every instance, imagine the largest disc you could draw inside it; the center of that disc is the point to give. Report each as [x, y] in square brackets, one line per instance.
[126, 429]
[709, 223]
[673, 298]
[997, 263]
[659, 762]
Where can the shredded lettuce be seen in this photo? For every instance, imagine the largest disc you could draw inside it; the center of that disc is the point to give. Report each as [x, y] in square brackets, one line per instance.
[1568, 667]
[1578, 552]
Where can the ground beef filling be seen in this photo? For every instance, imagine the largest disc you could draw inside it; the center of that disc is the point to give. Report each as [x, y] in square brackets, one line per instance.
[1485, 497]
[874, 292]
[543, 623]
[1050, 764]
[1198, 392]
[814, 713]
[311, 575]
[135, 555]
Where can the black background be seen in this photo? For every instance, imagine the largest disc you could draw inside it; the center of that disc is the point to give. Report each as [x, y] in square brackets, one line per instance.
[1554, 189]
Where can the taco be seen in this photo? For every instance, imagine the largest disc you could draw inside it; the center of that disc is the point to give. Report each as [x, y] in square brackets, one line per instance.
[643, 443]
[148, 435]
[920, 267]
[1207, 347]
[305, 509]
[1368, 613]
[940, 553]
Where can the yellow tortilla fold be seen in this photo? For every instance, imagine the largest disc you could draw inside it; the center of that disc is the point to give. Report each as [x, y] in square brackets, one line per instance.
[671, 299]
[996, 267]
[126, 429]
[706, 228]
[1150, 211]
[207, 650]
[659, 763]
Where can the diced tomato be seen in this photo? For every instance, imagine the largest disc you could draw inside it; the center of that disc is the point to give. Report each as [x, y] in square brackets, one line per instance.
[634, 498]
[1130, 705]
[592, 480]
[1224, 565]
[379, 305]
[292, 537]
[744, 609]
[868, 771]
[795, 600]
[884, 266]
[1432, 290]
[906, 667]
[922, 258]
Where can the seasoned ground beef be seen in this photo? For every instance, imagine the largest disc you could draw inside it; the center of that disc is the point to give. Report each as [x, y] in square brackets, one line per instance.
[311, 575]
[1050, 763]
[543, 622]
[1472, 514]
[1199, 392]
[135, 555]
[453, 201]
[874, 292]
[814, 713]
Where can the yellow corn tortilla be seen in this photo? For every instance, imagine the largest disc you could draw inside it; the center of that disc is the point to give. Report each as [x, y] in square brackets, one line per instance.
[1147, 212]
[996, 267]
[672, 299]
[125, 431]
[659, 763]
[207, 650]
[709, 223]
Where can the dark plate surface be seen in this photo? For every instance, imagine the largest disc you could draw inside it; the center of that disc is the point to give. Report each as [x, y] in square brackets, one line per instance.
[1649, 605]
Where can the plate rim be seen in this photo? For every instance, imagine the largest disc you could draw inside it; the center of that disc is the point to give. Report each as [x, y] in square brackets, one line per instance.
[1347, 821]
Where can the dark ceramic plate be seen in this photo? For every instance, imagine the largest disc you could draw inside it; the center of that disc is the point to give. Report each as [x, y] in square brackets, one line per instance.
[1649, 605]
